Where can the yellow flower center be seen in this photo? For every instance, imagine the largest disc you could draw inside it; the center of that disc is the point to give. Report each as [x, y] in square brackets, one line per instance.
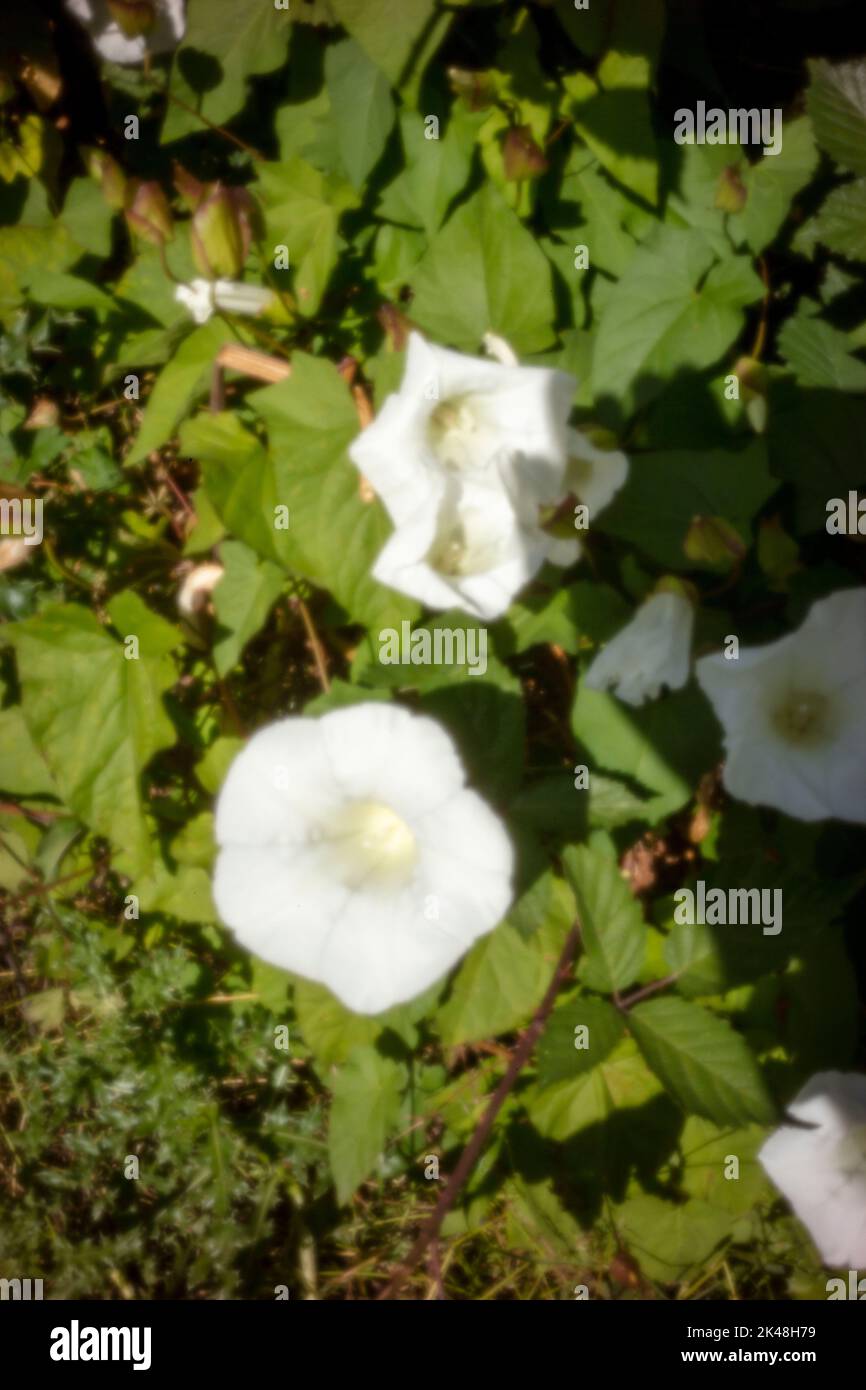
[803, 717]
[450, 432]
[371, 845]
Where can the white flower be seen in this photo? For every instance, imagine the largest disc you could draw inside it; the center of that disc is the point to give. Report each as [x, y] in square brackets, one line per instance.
[792, 712]
[461, 417]
[821, 1169]
[594, 475]
[162, 22]
[201, 297]
[352, 852]
[465, 547]
[198, 586]
[653, 650]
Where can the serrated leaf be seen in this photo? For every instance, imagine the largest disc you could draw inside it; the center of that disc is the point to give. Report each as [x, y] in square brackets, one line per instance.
[563, 1053]
[841, 221]
[772, 184]
[703, 1063]
[621, 1082]
[611, 922]
[836, 100]
[819, 354]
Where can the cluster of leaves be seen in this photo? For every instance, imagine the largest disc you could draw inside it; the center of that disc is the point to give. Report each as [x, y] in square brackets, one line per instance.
[705, 261]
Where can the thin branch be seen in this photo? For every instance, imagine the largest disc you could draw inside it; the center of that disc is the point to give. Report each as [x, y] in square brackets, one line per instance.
[519, 1057]
[652, 988]
[315, 645]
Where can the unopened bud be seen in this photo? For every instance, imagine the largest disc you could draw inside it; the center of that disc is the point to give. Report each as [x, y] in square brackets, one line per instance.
[712, 541]
[523, 156]
[109, 174]
[148, 213]
[221, 232]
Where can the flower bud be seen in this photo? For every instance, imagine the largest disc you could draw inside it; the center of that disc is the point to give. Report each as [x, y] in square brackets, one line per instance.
[108, 173]
[148, 213]
[523, 156]
[221, 232]
[477, 89]
[133, 17]
[191, 191]
[712, 541]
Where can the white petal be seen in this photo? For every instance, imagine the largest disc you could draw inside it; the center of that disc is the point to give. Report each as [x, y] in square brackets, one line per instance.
[595, 475]
[279, 784]
[382, 752]
[653, 651]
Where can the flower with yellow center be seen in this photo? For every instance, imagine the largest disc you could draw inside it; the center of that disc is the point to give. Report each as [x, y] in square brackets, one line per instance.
[352, 853]
[792, 713]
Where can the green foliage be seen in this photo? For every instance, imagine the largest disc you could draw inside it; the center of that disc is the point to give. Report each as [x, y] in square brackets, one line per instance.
[364, 150]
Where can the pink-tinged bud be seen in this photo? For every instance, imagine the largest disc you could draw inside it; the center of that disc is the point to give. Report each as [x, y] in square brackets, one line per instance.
[134, 17]
[148, 213]
[523, 156]
[221, 232]
[191, 191]
[109, 174]
[712, 541]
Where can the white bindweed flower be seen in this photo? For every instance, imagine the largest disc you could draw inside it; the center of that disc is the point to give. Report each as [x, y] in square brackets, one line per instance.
[593, 474]
[123, 31]
[652, 651]
[461, 417]
[201, 297]
[197, 587]
[821, 1168]
[352, 853]
[792, 714]
[465, 547]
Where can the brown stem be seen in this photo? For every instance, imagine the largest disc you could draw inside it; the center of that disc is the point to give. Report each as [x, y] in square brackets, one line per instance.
[652, 988]
[217, 129]
[469, 1157]
[315, 645]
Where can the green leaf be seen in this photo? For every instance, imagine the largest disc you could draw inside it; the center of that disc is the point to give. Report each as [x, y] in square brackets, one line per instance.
[611, 921]
[97, 718]
[387, 33]
[242, 599]
[836, 101]
[333, 537]
[814, 441]
[436, 170]
[365, 1105]
[674, 487]
[668, 1239]
[841, 221]
[620, 1082]
[87, 217]
[484, 272]
[355, 84]
[772, 183]
[488, 724]
[22, 770]
[563, 1053]
[225, 44]
[187, 374]
[819, 354]
[705, 1151]
[302, 209]
[664, 747]
[506, 973]
[613, 117]
[672, 309]
[703, 1063]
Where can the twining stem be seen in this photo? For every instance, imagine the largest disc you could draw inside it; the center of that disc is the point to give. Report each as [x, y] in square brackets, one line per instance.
[315, 645]
[469, 1157]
